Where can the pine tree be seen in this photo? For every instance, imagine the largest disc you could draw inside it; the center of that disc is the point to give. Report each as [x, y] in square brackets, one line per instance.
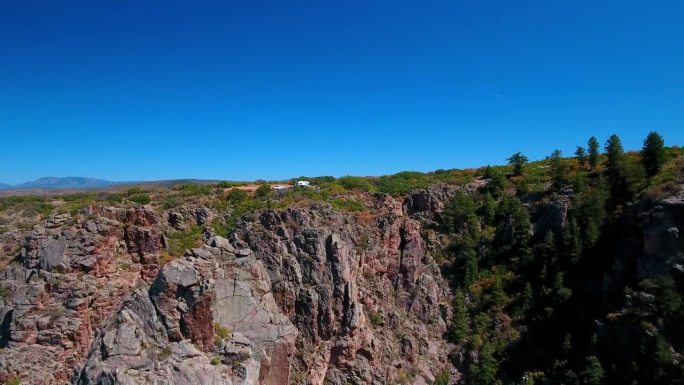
[593, 146]
[615, 170]
[614, 155]
[547, 251]
[653, 153]
[593, 372]
[581, 155]
[471, 266]
[572, 243]
[459, 328]
[518, 161]
[559, 171]
[488, 208]
[484, 372]
[527, 297]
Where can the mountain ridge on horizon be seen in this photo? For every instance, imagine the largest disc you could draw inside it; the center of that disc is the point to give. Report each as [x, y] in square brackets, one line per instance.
[50, 182]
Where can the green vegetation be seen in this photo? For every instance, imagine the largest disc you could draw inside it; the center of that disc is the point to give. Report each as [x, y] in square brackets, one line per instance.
[356, 183]
[348, 204]
[222, 331]
[532, 305]
[376, 319]
[442, 378]
[653, 153]
[184, 240]
[141, 199]
[29, 205]
[164, 353]
[518, 161]
[193, 189]
[593, 153]
[216, 361]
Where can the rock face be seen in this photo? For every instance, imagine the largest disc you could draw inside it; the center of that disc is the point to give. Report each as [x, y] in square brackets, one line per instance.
[296, 296]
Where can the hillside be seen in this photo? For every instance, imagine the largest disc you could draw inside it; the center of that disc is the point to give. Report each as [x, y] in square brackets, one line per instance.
[567, 270]
[51, 183]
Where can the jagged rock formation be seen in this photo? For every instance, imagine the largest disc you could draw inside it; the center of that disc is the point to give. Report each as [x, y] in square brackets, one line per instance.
[301, 296]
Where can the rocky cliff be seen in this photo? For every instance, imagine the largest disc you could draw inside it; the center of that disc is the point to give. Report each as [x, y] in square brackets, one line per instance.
[306, 295]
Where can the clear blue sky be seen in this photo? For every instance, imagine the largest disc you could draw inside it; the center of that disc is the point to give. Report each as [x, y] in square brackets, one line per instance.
[141, 90]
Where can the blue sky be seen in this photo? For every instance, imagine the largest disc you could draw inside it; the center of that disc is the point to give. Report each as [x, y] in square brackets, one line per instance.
[143, 90]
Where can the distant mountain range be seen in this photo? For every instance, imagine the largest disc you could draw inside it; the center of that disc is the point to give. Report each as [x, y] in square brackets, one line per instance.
[70, 182]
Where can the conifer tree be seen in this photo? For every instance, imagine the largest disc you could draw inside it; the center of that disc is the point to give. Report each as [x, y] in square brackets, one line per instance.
[518, 161]
[581, 155]
[653, 153]
[559, 171]
[459, 328]
[593, 372]
[593, 146]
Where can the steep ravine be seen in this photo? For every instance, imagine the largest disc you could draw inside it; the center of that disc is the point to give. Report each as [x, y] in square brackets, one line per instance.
[301, 296]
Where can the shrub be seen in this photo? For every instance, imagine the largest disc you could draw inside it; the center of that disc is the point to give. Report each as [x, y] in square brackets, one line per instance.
[216, 361]
[264, 191]
[193, 189]
[376, 319]
[403, 182]
[184, 240]
[236, 196]
[141, 199]
[356, 183]
[30, 205]
[442, 378]
[222, 331]
[348, 204]
[229, 184]
[164, 353]
[114, 198]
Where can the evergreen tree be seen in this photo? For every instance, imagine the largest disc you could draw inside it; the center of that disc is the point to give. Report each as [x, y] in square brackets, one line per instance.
[547, 251]
[614, 155]
[488, 172]
[559, 171]
[653, 153]
[497, 185]
[582, 158]
[518, 161]
[459, 328]
[593, 146]
[572, 243]
[488, 208]
[471, 270]
[593, 372]
[484, 372]
[615, 167]
[460, 213]
[527, 297]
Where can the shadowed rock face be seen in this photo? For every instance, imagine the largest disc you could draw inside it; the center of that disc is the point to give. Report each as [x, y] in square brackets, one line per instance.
[300, 296]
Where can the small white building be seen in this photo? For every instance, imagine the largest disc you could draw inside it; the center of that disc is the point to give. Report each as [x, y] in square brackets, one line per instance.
[303, 183]
[279, 187]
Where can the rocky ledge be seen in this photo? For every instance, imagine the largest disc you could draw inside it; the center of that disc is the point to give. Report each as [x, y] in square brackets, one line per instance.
[295, 296]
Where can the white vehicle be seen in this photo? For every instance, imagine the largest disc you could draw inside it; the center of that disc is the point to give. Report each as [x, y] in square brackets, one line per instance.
[279, 187]
[302, 183]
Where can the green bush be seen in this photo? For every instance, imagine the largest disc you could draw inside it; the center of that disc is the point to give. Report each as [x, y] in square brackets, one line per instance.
[356, 183]
[442, 378]
[184, 240]
[193, 189]
[141, 199]
[28, 204]
[348, 205]
[403, 182]
[164, 353]
[264, 191]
